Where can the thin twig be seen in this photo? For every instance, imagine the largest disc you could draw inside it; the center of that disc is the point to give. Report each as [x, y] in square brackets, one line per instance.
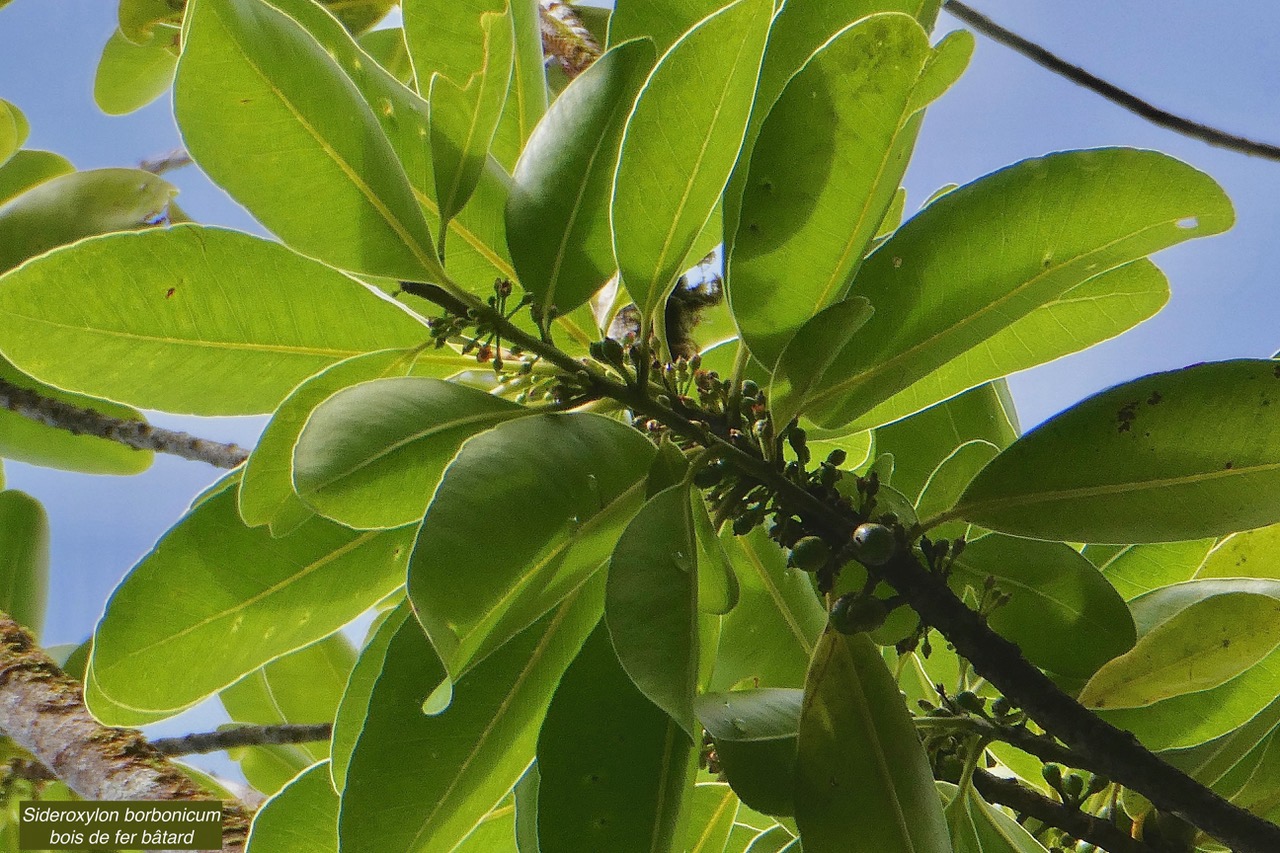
[566, 38]
[1081, 825]
[241, 736]
[1113, 93]
[139, 435]
[176, 159]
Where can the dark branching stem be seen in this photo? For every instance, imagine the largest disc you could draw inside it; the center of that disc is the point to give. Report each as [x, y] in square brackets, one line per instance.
[139, 435]
[1113, 93]
[1101, 747]
[1081, 825]
[241, 736]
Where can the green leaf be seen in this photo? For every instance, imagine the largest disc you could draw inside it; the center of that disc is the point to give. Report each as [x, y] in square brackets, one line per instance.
[863, 782]
[24, 559]
[824, 171]
[527, 97]
[948, 481]
[274, 120]
[1138, 569]
[712, 807]
[1062, 613]
[302, 687]
[371, 455]
[266, 490]
[66, 208]
[525, 797]
[464, 118]
[13, 130]
[25, 440]
[809, 353]
[661, 21]
[301, 818]
[27, 168]
[718, 589]
[980, 258]
[190, 319]
[1225, 764]
[131, 75]
[755, 738]
[558, 210]
[1172, 456]
[349, 720]
[1252, 554]
[359, 15]
[525, 514]
[768, 639]
[1093, 311]
[495, 831]
[212, 583]
[776, 839]
[452, 767]
[651, 604]
[977, 827]
[920, 443]
[138, 18]
[680, 144]
[626, 796]
[387, 48]
[1205, 645]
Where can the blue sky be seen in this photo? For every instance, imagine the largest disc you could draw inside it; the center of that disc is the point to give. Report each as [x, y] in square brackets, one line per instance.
[1214, 62]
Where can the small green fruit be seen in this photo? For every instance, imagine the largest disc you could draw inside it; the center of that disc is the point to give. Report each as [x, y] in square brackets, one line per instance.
[810, 554]
[854, 613]
[873, 544]
[1052, 774]
[750, 390]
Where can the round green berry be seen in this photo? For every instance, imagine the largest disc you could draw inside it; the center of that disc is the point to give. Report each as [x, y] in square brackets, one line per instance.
[810, 554]
[854, 613]
[873, 544]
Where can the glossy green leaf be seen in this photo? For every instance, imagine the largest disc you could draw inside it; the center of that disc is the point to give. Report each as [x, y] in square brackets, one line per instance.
[986, 255]
[69, 207]
[1138, 569]
[1169, 457]
[767, 640]
[824, 171]
[494, 833]
[24, 559]
[525, 797]
[1093, 311]
[977, 827]
[524, 515]
[776, 839]
[863, 782]
[138, 18]
[718, 588]
[452, 767]
[349, 721]
[359, 15]
[527, 97]
[755, 740]
[266, 491]
[212, 583]
[13, 130]
[613, 767]
[948, 481]
[808, 354]
[558, 210]
[27, 168]
[447, 37]
[680, 144]
[272, 118]
[661, 21]
[130, 75]
[25, 440]
[920, 443]
[190, 319]
[1226, 763]
[1199, 648]
[651, 605]
[371, 455]
[712, 807]
[463, 118]
[301, 818]
[1062, 612]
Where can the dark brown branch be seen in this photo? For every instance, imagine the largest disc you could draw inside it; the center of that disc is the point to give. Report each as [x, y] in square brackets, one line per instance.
[139, 435]
[42, 709]
[565, 38]
[1078, 824]
[1113, 93]
[1109, 751]
[241, 736]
